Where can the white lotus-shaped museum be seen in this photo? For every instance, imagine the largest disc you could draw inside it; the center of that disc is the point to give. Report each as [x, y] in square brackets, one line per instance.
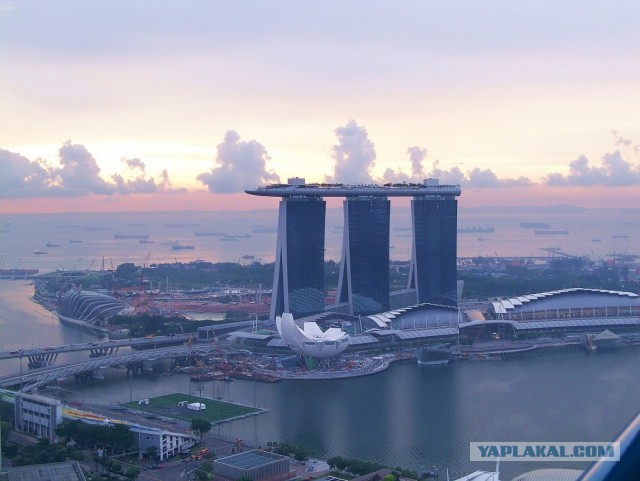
[311, 340]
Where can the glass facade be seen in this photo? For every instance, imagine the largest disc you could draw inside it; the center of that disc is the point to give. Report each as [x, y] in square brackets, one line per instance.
[434, 257]
[298, 285]
[364, 270]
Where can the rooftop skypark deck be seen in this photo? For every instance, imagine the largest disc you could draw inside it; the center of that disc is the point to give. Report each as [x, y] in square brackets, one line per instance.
[297, 187]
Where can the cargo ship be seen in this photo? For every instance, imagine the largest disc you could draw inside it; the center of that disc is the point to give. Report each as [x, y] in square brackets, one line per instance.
[534, 225]
[131, 236]
[552, 232]
[179, 247]
[476, 230]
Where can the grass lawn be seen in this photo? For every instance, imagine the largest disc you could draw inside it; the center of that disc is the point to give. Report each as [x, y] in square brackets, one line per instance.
[167, 405]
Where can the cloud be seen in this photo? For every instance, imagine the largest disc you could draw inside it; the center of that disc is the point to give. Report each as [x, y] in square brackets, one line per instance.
[354, 155]
[614, 172]
[453, 176]
[396, 176]
[239, 165]
[80, 171]
[620, 141]
[140, 184]
[134, 164]
[22, 177]
[486, 178]
[474, 178]
[416, 156]
[76, 174]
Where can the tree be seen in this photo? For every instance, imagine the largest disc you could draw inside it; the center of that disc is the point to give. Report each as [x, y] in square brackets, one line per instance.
[127, 271]
[151, 452]
[204, 472]
[301, 454]
[132, 473]
[200, 426]
[5, 430]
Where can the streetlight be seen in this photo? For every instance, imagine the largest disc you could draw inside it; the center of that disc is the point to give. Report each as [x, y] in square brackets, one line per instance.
[20, 370]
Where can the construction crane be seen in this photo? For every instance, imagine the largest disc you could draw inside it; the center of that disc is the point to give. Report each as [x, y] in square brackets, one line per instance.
[144, 265]
[556, 250]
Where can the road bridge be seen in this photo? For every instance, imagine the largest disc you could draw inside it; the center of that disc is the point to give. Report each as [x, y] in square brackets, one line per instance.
[46, 355]
[35, 378]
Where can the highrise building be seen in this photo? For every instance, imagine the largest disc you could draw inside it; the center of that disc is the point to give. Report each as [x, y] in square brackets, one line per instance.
[363, 283]
[434, 250]
[298, 280]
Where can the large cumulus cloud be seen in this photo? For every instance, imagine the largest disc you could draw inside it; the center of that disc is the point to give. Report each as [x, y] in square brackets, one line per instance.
[614, 171]
[80, 172]
[140, 183]
[76, 173]
[354, 155]
[239, 165]
[474, 178]
[22, 177]
[416, 173]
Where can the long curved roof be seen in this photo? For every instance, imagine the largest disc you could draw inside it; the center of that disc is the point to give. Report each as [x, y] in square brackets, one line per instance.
[572, 298]
[622, 322]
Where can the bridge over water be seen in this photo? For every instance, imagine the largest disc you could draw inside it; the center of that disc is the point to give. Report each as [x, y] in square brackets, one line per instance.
[31, 380]
[47, 355]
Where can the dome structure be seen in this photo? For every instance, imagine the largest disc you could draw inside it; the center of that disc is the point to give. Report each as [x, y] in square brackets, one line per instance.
[91, 306]
[311, 340]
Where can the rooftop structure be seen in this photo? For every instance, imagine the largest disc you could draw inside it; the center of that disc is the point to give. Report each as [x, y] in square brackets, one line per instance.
[63, 471]
[568, 303]
[256, 465]
[297, 187]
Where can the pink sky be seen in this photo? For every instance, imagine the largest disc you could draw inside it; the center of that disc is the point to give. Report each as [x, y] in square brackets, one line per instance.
[107, 104]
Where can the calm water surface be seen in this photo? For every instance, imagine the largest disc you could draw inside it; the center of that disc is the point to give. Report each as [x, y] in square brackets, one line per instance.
[407, 416]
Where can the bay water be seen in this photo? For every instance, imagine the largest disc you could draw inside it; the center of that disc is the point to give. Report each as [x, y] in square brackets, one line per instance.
[410, 416]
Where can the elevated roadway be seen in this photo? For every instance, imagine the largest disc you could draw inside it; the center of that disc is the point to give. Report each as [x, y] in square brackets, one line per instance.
[46, 355]
[34, 378]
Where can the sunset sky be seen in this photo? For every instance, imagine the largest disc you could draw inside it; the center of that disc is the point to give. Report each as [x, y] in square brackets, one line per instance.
[180, 105]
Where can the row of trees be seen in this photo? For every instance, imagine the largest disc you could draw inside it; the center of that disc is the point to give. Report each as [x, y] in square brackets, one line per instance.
[299, 453]
[358, 467]
[116, 439]
[144, 324]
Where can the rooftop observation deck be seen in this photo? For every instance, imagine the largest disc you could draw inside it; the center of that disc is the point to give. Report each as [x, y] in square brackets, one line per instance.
[298, 188]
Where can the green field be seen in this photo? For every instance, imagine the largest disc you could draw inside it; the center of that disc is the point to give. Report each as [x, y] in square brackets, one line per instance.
[215, 411]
